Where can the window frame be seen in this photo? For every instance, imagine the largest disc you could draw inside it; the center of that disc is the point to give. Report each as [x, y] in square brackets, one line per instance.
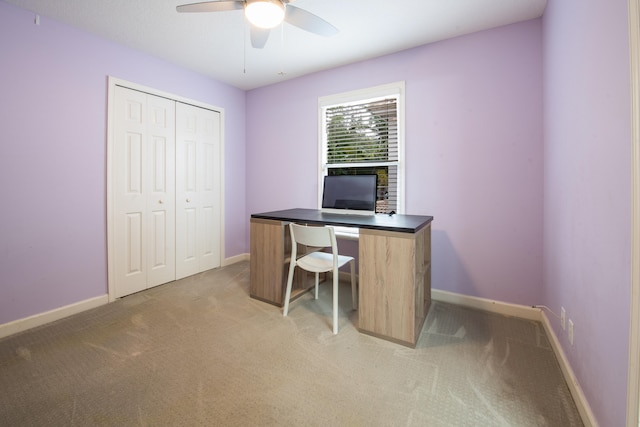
[397, 90]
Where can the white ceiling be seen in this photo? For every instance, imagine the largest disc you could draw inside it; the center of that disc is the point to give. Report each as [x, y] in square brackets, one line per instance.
[217, 44]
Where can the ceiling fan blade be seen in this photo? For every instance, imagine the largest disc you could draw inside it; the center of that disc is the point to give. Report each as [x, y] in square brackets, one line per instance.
[259, 36]
[212, 6]
[308, 21]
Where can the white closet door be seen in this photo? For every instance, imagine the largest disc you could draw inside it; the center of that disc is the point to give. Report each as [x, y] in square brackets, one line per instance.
[143, 191]
[162, 191]
[198, 183]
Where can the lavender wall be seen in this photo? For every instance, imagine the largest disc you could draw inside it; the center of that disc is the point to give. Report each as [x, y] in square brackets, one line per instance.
[473, 152]
[587, 216]
[53, 113]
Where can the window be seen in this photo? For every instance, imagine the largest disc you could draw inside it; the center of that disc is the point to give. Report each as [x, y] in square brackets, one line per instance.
[362, 132]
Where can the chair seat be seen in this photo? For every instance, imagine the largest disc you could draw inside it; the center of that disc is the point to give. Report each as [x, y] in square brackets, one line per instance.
[320, 262]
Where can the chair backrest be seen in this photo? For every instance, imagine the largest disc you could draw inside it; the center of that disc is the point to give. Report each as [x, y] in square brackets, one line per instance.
[319, 237]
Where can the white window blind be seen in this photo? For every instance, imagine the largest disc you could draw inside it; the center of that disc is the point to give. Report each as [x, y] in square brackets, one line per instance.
[362, 133]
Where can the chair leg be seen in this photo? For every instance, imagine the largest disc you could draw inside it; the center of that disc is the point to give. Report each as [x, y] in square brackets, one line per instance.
[317, 280]
[354, 289]
[287, 296]
[335, 301]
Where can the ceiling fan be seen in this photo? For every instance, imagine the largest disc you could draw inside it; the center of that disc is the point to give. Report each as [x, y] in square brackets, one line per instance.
[264, 15]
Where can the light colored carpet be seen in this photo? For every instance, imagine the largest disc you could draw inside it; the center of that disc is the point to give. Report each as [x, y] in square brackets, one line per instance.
[199, 351]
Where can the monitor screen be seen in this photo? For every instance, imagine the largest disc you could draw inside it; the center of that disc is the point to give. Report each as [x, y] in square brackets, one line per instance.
[350, 193]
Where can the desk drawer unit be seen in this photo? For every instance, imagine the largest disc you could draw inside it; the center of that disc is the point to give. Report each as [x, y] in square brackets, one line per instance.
[395, 278]
[269, 264]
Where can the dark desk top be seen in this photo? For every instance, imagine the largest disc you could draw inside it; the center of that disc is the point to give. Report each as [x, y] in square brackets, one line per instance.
[398, 223]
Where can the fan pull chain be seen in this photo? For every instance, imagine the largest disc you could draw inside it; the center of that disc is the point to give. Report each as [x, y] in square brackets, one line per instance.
[244, 46]
[282, 73]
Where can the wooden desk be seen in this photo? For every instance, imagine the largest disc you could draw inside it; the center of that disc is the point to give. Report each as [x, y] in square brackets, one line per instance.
[394, 262]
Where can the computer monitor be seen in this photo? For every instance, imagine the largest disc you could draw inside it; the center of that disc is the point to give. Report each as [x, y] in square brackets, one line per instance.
[350, 194]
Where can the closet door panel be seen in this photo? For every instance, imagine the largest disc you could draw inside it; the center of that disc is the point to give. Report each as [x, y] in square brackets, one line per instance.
[210, 194]
[129, 188]
[143, 191]
[161, 199]
[197, 190]
[133, 261]
[186, 194]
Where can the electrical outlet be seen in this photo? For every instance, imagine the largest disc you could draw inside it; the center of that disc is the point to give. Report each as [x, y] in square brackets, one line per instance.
[570, 332]
[563, 318]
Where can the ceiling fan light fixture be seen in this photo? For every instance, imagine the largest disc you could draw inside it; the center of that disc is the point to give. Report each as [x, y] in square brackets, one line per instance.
[265, 13]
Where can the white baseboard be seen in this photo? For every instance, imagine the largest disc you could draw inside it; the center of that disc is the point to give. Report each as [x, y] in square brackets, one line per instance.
[584, 409]
[507, 309]
[235, 259]
[529, 313]
[39, 319]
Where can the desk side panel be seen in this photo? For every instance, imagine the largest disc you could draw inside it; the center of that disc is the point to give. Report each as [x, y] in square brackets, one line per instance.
[422, 278]
[387, 285]
[267, 262]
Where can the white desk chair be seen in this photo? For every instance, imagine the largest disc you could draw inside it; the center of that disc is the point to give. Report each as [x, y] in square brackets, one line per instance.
[319, 262]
